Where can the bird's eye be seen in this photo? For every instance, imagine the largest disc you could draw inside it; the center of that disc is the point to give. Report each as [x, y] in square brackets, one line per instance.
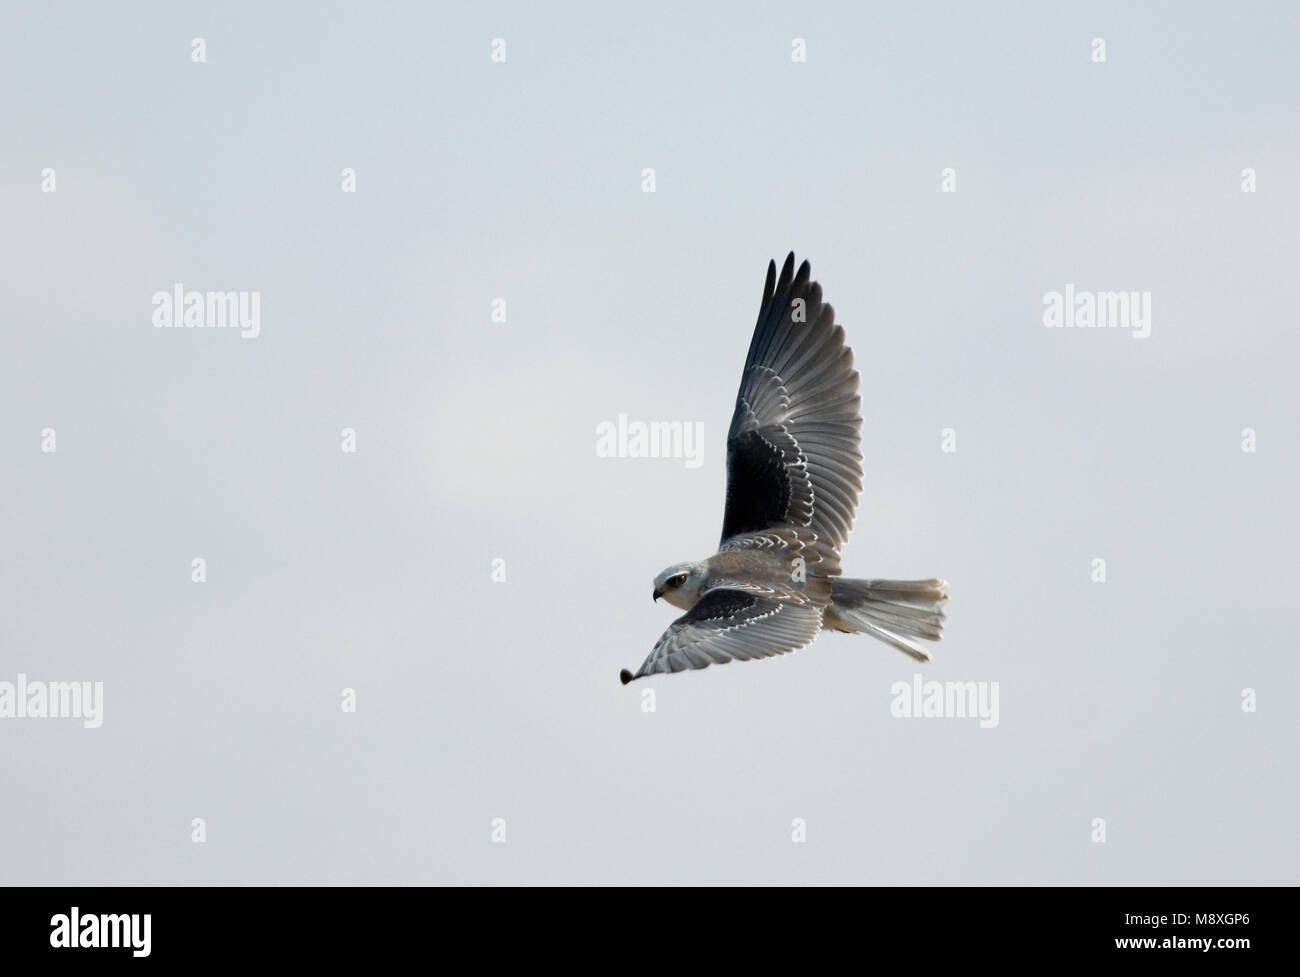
[677, 581]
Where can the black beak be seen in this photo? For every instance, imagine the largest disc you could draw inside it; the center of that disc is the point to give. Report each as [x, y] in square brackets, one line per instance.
[658, 593]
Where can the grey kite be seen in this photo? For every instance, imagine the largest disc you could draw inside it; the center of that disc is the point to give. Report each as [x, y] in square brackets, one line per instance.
[794, 474]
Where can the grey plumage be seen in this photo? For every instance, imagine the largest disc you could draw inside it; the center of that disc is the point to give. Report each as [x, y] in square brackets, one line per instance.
[794, 475]
[890, 610]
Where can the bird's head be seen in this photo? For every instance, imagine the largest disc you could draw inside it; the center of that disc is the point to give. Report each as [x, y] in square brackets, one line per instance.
[681, 584]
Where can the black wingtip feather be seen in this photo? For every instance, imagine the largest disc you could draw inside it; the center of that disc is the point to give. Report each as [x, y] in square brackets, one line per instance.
[625, 676]
[787, 271]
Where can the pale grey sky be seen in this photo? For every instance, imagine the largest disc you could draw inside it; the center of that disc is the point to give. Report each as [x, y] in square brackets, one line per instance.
[476, 440]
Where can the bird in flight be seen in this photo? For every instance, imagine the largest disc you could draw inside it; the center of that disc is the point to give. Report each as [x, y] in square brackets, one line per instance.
[794, 474]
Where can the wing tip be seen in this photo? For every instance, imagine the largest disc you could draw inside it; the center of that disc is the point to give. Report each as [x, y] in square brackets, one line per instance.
[625, 676]
[787, 270]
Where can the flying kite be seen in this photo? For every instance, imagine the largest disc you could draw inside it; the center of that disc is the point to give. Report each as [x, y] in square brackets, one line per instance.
[794, 475]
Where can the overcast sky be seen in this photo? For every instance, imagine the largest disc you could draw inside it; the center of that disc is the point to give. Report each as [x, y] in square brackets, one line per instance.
[522, 180]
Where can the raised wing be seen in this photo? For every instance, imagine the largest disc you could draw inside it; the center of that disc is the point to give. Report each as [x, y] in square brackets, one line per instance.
[728, 625]
[793, 449]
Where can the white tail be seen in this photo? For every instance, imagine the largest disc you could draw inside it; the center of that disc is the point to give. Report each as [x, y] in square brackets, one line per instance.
[889, 609]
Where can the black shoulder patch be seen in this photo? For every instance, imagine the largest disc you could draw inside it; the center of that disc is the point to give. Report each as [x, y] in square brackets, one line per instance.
[758, 485]
[721, 604]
